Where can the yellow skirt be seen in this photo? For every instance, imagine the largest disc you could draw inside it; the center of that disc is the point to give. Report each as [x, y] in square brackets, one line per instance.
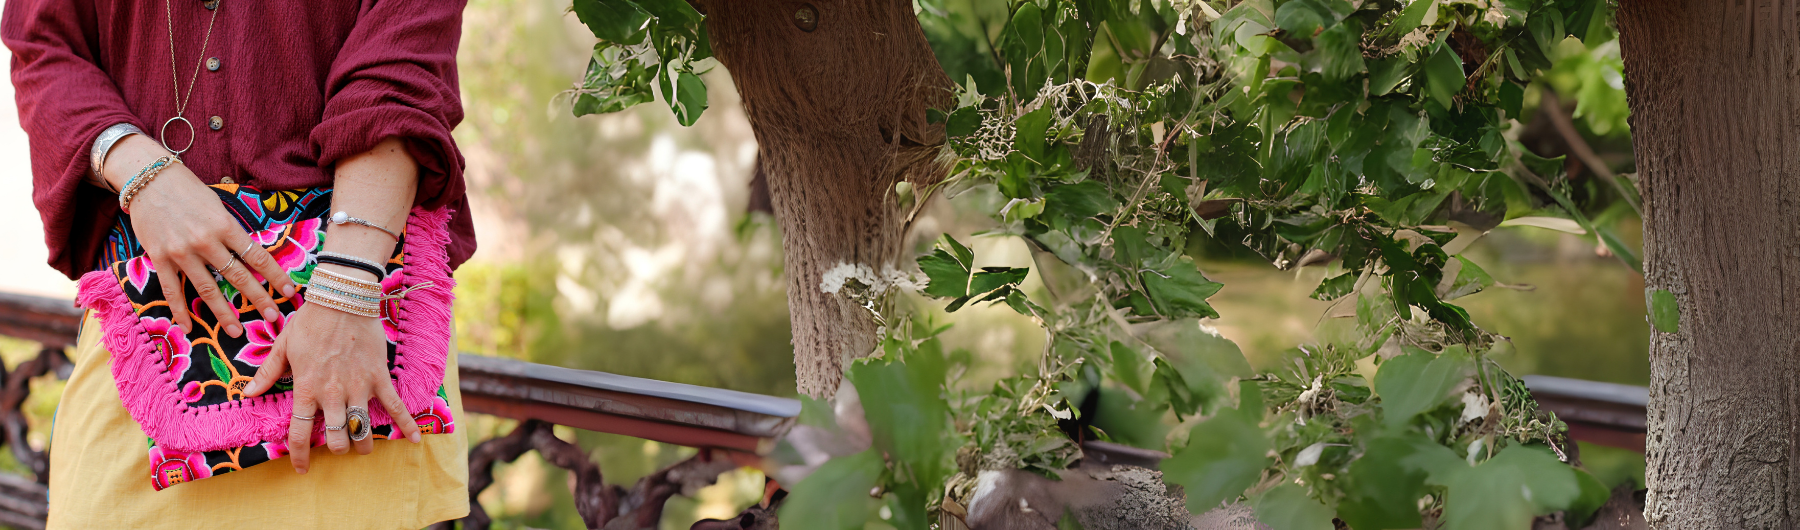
[100, 475]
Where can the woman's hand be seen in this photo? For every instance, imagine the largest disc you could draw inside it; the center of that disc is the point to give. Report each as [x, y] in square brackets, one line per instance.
[185, 229]
[338, 360]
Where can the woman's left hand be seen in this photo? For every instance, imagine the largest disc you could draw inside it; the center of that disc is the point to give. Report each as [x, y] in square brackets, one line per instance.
[338, 360]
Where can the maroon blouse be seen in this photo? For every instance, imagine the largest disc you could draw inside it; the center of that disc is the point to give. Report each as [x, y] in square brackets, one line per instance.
[298, 87]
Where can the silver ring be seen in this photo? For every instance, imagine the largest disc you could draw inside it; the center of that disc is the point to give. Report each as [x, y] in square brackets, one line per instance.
[334, 427]
[357, 420]
[240, 253]
[306, 418]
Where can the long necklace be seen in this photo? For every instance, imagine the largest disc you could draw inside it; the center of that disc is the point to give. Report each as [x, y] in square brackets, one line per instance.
[181, 100]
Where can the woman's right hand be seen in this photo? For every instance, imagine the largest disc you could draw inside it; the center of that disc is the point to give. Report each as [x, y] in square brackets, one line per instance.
[184, 228]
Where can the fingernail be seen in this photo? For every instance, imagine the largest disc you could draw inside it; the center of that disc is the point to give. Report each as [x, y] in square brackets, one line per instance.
[287, 289]
[271, 315]
[234, 330]
[300, 470]
[415, 437]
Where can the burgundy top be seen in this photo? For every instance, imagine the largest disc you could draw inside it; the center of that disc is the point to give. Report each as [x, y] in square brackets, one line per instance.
[299, 86]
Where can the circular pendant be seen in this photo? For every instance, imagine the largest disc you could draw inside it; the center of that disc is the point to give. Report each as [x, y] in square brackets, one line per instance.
[163, 135]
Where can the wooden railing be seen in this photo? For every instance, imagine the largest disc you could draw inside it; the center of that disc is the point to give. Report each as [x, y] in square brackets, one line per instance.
[730, 429]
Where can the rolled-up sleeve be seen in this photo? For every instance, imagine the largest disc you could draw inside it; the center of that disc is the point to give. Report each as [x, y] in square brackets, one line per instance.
[64, 101]
[396, 77]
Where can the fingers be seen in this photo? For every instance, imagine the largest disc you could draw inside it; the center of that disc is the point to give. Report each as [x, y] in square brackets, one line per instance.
[404, 425]
[202, 280]
[256, 258]
[367, 444]
[171, 281]
[300, 431]
[240, 277]
[332, 401]
[271, 370]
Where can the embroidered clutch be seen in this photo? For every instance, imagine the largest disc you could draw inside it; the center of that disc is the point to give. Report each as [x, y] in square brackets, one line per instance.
[185, 387]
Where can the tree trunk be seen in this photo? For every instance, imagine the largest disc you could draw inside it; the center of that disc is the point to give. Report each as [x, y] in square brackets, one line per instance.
[836, 91]
[1714, 123]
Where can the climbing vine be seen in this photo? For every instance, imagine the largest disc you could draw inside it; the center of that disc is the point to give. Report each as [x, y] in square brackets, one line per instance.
[1375, 138]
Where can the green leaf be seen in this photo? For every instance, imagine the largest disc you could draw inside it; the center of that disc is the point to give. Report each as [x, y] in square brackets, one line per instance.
[1512, 99]
[618, 21]
[672, 13]
[1505, 492]
[690, 98]
[1181, 290]
[1335, 287]
[1382, 490]
[1031, 130]
[963, 122]
[1386, 74]
[1288, 508]
[1129, 367]
[1225, 454]
[910, 420]
[1411, 17]
[1593, 495]
[836, 496]
[1665, 313]
[1444, 76]
[1415, 383]
[1074, 202]
[218, 365]
[1340, 51]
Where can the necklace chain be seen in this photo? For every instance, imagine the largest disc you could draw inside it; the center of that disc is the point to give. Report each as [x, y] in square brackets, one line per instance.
[182, 100]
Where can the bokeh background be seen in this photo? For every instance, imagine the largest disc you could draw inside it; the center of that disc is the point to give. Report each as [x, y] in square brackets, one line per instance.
[622, 243]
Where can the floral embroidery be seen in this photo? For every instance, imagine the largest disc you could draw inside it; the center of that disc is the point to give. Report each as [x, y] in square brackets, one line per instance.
[436, 418]
[138, 271]
[169, 467]
[259, 337]
[174, 347]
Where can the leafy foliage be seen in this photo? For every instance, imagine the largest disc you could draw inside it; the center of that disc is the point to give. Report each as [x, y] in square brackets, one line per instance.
[1369, 137]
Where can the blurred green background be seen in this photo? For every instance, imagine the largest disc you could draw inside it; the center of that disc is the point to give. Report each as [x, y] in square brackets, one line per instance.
[622, 243]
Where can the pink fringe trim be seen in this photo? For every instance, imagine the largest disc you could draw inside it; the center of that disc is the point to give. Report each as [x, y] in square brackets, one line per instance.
[153, 397]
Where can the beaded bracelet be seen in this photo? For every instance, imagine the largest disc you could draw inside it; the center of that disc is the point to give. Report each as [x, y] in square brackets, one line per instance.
[362, 310]
[326, 258]
[142, 178]
[353, 282]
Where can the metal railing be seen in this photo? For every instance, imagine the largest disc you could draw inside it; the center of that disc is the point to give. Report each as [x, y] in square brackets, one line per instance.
[731, 429]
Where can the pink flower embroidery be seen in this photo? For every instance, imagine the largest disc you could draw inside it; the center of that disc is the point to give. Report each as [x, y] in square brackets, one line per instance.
[260, 336]
[303, 238]
[391, 285]
[171, 344]
[138, 270]
[169, 467]
[192, 392]
[435, 419]
[275, 449]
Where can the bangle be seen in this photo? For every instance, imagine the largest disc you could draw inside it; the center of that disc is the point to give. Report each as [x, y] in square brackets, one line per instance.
[353, 262]
[342, 217]
[142, 179]
[104, 144]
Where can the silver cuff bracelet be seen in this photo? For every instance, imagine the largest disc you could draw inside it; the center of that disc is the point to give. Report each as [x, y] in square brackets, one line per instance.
[104, 143]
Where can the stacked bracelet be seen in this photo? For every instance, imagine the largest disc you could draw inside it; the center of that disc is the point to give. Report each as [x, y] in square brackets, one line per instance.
[353, 262]
[142, 179]
[343, 293]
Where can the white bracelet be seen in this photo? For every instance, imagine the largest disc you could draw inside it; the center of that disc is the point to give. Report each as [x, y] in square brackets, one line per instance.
[342, 217]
